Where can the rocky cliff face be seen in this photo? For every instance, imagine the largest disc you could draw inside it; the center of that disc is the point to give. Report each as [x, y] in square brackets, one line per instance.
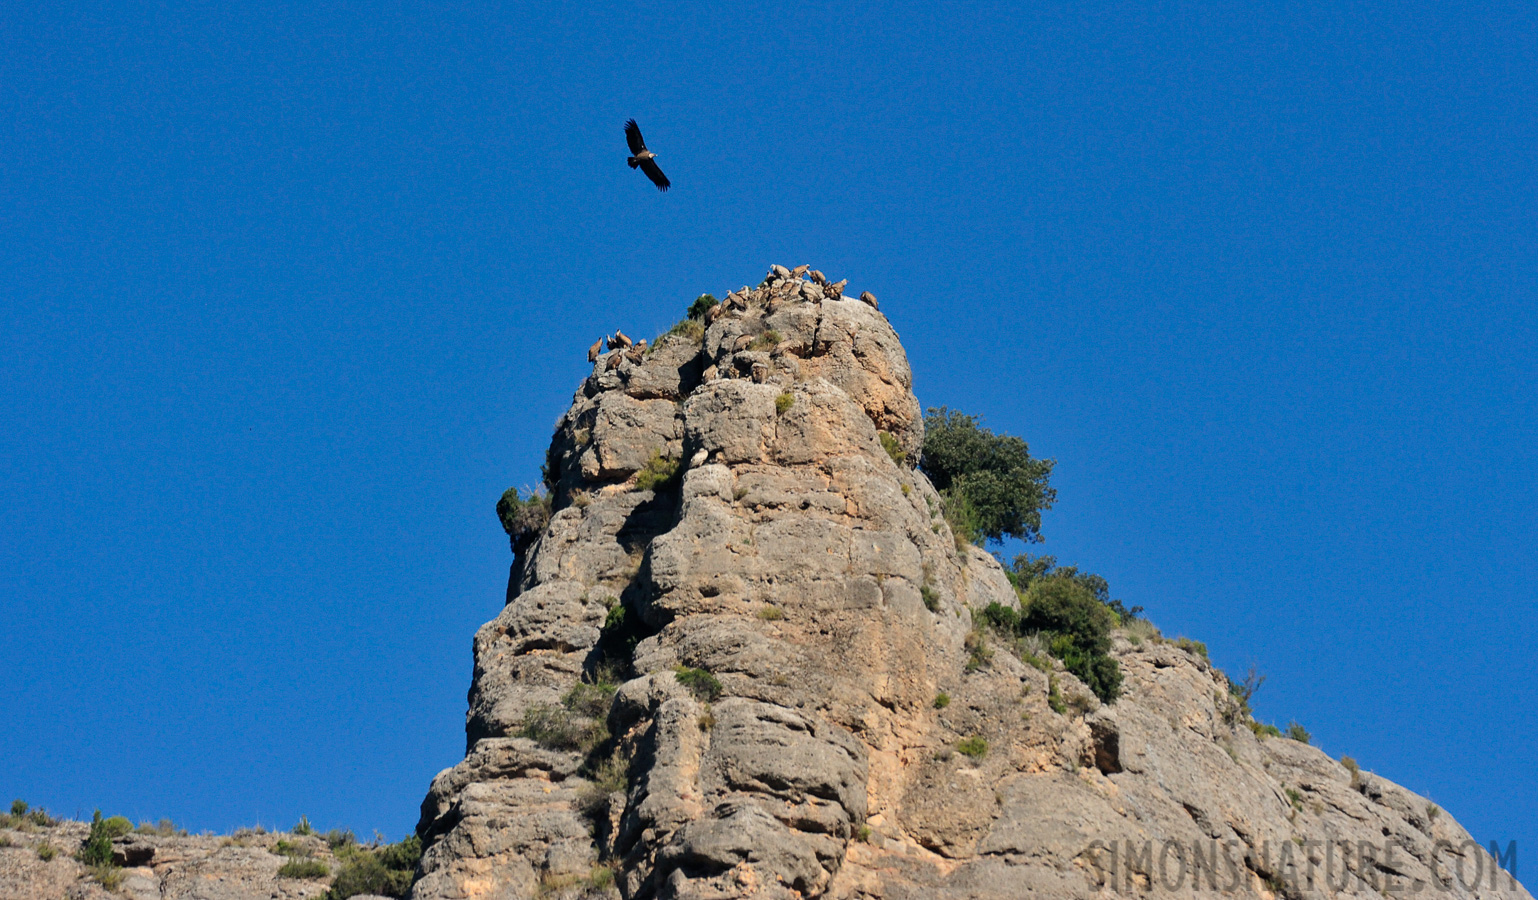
[778, 604]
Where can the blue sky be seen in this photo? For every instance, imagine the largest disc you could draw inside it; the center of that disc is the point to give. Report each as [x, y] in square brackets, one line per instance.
[291, 295]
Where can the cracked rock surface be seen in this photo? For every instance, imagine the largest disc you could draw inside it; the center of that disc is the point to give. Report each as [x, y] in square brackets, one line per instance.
[807, 569]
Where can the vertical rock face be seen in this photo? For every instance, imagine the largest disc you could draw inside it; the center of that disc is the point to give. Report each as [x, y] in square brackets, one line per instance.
[777, 603]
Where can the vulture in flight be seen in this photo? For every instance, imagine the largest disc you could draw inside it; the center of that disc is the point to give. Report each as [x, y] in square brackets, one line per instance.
[640, 156]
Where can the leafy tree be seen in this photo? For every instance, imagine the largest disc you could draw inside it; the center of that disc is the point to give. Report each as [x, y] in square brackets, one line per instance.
[1026, 569]
[993, 487]
[523, 520]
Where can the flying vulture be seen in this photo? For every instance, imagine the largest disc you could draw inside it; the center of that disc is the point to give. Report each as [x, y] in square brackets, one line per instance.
[643, 157]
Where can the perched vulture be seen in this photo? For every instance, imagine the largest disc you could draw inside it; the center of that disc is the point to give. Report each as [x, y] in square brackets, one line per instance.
[594, 351]
[644, 158]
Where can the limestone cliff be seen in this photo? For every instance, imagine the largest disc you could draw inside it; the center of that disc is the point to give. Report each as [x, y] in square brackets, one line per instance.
[779, 603]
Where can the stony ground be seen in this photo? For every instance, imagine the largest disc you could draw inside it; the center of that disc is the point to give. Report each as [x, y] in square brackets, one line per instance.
[743, 502]
[243, 866]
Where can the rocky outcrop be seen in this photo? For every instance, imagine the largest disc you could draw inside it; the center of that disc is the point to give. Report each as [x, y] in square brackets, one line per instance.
[38, 863]
[739, 543]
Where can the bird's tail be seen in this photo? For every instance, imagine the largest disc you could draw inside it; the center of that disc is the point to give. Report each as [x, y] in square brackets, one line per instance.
[632, 161]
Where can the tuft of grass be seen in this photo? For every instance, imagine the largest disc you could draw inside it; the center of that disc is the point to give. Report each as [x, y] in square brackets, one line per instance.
[338, 839]
[703, 685]
[608, 777]
[1140, 630]
[931, 598]
[1354, 769]
[108, 876]
[1295, 798]
[1082, 703]
[1055, 696]
[1432, 811]
[979, 653]
[974, 746]
[304, 829]
[1264, 731]
[907, 490]
[784, 402]
[862, 833]
[1190, 646]
[46, 853]
[942, 700]
[1296, 732]
[163, 828]
[659, 474]
[304, 868]
[688, 329]
[601, 878]
[890, 445]
[771, 613]
[559, 728]
[766, 341]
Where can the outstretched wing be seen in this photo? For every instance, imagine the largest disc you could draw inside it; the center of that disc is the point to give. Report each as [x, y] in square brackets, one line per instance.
[633, 138]
[655, 174]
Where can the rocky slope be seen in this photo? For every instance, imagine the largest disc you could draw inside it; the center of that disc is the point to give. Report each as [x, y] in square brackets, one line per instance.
[37, 863]
[807, 569]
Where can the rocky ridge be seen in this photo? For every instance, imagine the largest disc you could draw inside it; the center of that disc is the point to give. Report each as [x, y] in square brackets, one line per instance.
[738, 540]
[38, 863]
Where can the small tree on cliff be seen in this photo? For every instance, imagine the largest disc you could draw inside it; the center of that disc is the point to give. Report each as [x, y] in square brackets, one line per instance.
[992, 487]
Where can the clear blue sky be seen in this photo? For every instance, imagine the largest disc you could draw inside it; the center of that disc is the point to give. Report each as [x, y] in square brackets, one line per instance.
[291, 295]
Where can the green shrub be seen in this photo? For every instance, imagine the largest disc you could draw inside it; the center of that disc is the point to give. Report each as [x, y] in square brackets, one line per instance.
[862, 833]
[45, 852]
[1080, 628]
[1190, 646]
[701, 306]
[974, 746]
[117, 826]
[1354, 769]
[766, 341]
[931, 598]
[703, 685]
[659, 474]
[784, 402]
[97, 849]
[771, 613]
[523, 519]
[387, 870]
[590, 699]
[892, 448]
[942, 700]
[1295, 798]
[19, 808]
[1264, 731]
[1298, 733]
[304, 868]
[997, 490]
[337, 839]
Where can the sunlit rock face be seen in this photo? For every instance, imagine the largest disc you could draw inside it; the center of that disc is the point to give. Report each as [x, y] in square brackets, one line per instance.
[764, 602]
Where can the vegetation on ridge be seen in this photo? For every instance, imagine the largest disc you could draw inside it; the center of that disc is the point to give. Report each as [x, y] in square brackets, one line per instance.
[991, 485]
